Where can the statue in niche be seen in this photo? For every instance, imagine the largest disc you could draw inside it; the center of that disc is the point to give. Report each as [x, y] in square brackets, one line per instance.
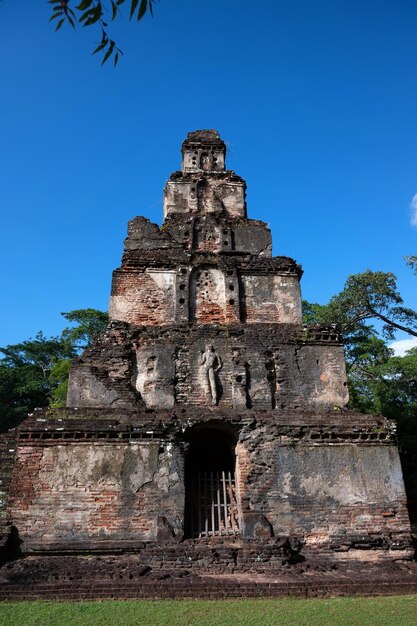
[211, 364]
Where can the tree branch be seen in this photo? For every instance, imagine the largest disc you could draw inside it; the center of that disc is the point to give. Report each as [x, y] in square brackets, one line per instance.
[393, 324]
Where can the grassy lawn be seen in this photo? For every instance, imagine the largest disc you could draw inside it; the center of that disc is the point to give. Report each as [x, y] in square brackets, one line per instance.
[381, 611]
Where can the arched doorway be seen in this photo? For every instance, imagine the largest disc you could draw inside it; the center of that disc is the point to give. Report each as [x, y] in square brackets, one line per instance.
[211, 490]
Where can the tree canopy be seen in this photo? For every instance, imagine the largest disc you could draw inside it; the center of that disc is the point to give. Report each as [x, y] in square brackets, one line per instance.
[34, 373]
[365, 297]
[89, 324]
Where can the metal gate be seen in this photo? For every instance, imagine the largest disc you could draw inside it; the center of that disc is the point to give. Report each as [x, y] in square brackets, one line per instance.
[213, 504]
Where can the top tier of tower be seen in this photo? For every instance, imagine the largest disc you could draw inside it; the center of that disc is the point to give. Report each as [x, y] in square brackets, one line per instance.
[204, 186]
[208, 263]
[203, 151]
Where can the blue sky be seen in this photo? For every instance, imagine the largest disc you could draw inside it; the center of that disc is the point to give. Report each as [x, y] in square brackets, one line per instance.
[317, 102]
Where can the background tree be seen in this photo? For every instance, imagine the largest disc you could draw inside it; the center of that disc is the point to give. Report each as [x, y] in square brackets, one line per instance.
[34, 373]
[368, 296]
[89, 324]
[24, 376]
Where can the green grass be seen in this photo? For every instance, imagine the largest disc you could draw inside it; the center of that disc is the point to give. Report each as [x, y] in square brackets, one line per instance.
[378, 611]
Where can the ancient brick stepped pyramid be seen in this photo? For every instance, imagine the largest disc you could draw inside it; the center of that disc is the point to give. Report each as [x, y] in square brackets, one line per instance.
[207, 414]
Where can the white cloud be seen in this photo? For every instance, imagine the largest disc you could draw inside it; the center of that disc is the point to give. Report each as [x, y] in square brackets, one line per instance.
[401, 347]
[413, 207]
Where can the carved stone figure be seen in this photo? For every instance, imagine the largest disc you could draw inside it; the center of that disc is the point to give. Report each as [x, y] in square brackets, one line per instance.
[211, 364]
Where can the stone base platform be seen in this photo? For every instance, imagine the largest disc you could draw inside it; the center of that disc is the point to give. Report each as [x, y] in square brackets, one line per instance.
[124, 577]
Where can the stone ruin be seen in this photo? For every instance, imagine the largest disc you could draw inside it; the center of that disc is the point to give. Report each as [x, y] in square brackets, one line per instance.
[208, 425]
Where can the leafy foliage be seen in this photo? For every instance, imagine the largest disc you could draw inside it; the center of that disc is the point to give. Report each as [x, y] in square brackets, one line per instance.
[58, 379]
[412, 262]
[34, 373]
[38, 353]
[98, 13]
[24, 375]
[90, 323]
[368, 296]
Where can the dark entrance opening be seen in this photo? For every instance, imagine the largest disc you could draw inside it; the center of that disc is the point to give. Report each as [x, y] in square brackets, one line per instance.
[211, 497]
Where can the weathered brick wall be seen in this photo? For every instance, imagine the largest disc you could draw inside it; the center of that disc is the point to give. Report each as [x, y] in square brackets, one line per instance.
[91, 386]
[101, 494]
[261, 367]
[143, 298]
[340, 497]
[7, 453]
[7, 450]
[271, 299]
[263, 378]
[156, 375]
[75, 493]
[219, 193]
[207, 296]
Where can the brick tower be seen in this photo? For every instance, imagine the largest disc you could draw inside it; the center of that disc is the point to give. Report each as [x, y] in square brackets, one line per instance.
[208, 413]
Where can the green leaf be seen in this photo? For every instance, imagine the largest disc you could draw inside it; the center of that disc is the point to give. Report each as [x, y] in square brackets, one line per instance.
[113, 10]
[108, 53]
[133, 7]
[98, 12]
[84, 5]
[85, 15]
[54, 16]
[60, 24]
[71, 21]
[100, 47]
[142, 9]
[116, 59]
[91, 16]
